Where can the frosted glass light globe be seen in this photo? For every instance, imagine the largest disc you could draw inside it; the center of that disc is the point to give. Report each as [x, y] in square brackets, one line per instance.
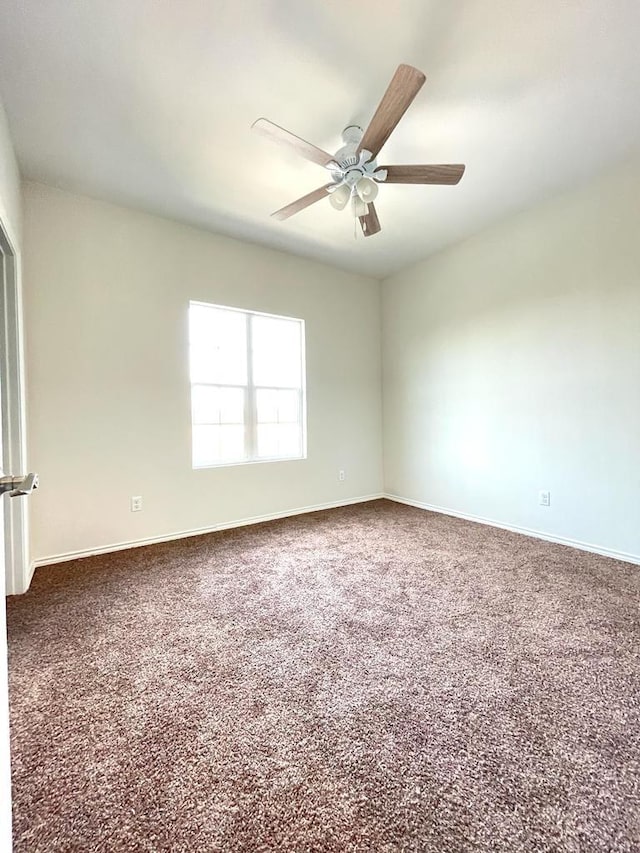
[359, 207]
[367, 189]
[340, 197]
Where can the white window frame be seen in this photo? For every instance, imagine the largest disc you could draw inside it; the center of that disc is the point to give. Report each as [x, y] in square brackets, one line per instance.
[250, 408]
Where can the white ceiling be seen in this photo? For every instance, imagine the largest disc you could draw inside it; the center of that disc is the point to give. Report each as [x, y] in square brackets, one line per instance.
[149, 103]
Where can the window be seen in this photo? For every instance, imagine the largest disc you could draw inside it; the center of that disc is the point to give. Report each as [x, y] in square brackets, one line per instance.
[247, 386]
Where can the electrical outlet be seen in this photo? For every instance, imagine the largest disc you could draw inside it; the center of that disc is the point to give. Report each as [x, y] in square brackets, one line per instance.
[342, 476]
[545, 499]
[136, 503]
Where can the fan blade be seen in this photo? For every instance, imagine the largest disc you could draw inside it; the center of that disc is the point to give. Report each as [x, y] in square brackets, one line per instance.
[301, 203]
[404, 86]
[424, 174]
[284, 137]
[370, 223]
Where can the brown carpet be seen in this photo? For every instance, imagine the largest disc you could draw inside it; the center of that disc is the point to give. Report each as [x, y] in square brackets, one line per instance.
[374, 678]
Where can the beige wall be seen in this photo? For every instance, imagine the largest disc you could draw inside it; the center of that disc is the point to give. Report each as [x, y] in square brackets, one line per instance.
[512, 365]
[107, 291]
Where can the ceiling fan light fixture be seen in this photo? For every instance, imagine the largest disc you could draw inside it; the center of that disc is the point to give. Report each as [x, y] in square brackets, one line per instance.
[367, 190]
[339, 198]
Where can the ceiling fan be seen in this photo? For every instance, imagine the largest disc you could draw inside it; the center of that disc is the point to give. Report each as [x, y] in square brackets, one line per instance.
[354, 170]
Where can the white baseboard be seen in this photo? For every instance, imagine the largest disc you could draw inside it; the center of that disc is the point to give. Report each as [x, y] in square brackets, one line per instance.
[258, 519]
[199, 531]
[29, 577]
[524, 531]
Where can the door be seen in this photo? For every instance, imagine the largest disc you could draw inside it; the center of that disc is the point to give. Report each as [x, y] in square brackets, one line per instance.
[13, 552]
[5, 765]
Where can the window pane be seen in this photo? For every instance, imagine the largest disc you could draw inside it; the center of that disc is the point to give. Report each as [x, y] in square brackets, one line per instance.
[218, 345]
[205, 404]
[289, 440]
[215, 444]
[288, 408]
[205, 445]
[232, 405]
[277, 406]
[276, 352]
[232, 442]
[278, 440]
[267, 440]
[267, 406]
[214, 405]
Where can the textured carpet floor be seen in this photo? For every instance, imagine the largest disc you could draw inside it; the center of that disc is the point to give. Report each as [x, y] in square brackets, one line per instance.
[374, 678]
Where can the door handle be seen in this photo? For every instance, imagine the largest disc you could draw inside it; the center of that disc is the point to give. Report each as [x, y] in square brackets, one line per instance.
[17, 486]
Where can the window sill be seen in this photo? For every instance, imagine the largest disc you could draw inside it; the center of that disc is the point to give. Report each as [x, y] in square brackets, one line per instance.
[249, 462]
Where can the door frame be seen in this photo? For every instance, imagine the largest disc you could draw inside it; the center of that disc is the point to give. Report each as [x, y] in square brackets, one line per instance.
[12, 378]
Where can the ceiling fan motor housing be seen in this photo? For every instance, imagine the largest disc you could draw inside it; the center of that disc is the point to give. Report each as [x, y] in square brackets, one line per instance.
[350, 165]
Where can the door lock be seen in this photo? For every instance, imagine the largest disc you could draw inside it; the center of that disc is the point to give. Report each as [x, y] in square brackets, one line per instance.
[18, 485]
